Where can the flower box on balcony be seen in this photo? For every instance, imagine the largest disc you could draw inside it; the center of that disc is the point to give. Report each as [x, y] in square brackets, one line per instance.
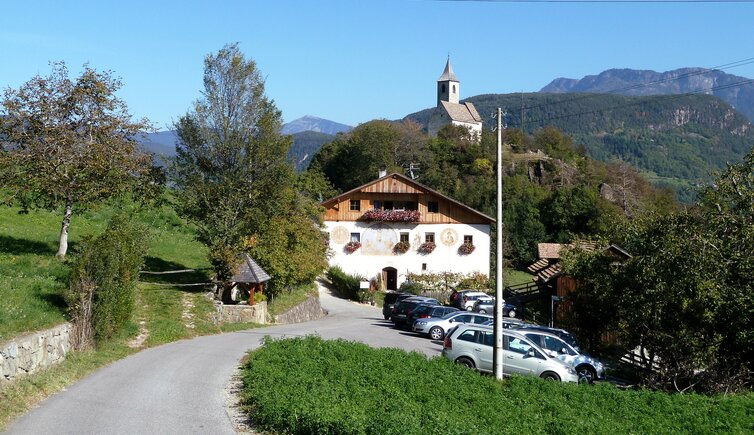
[351, 247]
[466, 248]
[380, 215]
[427, 248]
[401, 247]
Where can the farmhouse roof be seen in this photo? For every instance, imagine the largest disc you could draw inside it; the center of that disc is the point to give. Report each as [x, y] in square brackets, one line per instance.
[410, 182]
[248, 271]
[448, 74]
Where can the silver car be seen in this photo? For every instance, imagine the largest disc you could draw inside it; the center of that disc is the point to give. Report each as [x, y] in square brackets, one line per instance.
[472, 346]
[437, 327]
[588, 368]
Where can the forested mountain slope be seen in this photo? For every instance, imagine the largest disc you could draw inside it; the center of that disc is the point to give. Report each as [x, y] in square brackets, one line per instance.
[685, 137]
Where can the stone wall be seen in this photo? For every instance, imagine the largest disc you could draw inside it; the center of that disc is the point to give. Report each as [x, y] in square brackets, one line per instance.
[309, 310]
[242, 313]
[32, 352]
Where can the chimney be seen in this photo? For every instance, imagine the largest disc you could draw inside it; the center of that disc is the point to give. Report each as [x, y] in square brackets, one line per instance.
[381, 173]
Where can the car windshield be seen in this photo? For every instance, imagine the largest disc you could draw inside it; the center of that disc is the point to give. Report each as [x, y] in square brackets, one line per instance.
[449, 315]
[570, 339]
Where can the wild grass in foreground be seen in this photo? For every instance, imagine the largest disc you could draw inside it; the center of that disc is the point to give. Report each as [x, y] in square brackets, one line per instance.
[309, 386]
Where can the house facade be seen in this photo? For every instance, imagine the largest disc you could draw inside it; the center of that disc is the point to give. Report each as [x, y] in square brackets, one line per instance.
[450, 110]
[393, 226]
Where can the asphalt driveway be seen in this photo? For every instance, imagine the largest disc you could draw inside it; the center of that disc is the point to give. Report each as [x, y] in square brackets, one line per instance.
[178, 388]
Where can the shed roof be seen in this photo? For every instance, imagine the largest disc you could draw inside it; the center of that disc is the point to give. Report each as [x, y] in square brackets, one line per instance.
[249, 271]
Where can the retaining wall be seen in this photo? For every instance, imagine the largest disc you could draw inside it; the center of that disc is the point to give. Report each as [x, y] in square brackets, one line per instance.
[242, 313]
[308, 310]
[33, 352]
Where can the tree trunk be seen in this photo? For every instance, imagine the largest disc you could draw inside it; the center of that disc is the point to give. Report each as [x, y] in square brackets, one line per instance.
[63, 247]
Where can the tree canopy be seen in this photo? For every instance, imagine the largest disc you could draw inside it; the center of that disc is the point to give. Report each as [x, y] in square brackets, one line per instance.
[70, 143]
[234, 179]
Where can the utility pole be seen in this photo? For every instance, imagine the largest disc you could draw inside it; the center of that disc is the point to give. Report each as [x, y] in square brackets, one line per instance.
[497, 357]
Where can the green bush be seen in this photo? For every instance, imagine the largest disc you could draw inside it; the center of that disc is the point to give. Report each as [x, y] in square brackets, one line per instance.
[411, 287]
[347, 285]
[312, 386]
[103, 278]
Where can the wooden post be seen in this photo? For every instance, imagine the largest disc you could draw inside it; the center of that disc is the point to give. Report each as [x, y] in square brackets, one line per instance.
[251, 296]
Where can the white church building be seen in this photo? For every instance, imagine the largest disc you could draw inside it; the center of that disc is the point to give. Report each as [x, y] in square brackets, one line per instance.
[394, 225]
[450, 110]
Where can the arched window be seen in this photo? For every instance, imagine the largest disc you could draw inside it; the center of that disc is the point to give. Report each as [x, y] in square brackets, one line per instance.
[443, 88]
[454, 89]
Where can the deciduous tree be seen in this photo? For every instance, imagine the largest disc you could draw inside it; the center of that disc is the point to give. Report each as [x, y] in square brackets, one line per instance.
[70, 143]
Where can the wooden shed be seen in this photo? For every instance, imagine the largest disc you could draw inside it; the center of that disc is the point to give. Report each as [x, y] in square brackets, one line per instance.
[248, 276]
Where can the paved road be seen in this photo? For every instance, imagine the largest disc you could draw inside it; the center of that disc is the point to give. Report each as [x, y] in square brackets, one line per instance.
[178, 387]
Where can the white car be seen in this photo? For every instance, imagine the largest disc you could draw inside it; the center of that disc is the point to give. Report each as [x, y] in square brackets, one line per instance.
[472, 346]
[587, 368]
[469, 298]
[437, 327]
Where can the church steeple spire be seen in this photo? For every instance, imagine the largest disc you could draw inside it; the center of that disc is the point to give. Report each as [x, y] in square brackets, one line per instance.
[448, 85]
[448, 74]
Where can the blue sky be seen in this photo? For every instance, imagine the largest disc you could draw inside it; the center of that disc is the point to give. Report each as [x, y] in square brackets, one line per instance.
[353, 61]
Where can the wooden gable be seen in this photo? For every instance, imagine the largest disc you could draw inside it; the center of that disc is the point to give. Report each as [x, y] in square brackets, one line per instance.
[396, 188]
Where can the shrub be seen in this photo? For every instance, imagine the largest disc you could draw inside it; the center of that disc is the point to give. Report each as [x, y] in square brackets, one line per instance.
[411, 287]
[347, 285]
[309, 385]
[103, 279]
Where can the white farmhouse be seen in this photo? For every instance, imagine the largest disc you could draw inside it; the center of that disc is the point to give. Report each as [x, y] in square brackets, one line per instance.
[449, 110]
[368, 224]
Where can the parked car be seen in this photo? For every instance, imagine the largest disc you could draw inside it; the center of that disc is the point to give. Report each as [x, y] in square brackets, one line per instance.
[437, 327]
[587, 368]
[472, 346]
[423, 311]
[562, 333]
[468, 299]
[487, 306]
[400, 311]
[456, 298]
[507, 323]
[390, 299]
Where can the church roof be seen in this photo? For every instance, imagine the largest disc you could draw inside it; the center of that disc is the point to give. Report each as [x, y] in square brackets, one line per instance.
[448, 74]
[464, 112]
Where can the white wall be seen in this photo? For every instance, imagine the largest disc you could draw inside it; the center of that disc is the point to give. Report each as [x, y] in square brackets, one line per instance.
[378, 239]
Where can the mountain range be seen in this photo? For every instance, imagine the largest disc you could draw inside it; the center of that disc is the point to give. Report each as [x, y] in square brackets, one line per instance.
[735, 90]
[309, 134]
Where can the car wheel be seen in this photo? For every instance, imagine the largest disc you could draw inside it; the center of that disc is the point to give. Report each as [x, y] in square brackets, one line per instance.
[482, 311]
[550, 376]
[469, 308]
[512, 313]
[436, 333]
[587, 375]
[466, 362]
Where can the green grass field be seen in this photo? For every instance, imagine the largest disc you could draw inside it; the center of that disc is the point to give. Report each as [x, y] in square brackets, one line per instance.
[310, 385]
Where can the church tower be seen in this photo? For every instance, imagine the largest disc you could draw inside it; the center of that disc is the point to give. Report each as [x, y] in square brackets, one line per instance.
[448, 86]
[449, 108]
